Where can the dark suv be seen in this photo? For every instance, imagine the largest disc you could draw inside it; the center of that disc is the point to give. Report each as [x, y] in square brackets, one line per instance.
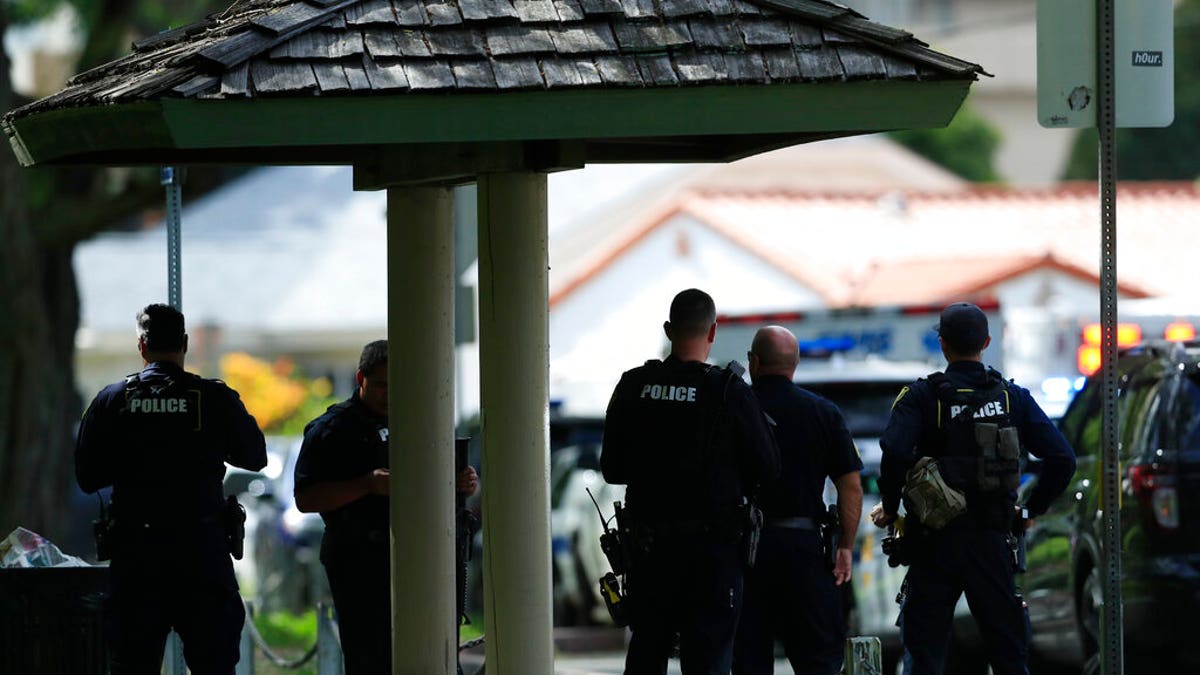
[1158, 408]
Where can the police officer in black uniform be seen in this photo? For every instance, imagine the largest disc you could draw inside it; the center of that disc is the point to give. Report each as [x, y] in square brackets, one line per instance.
[342, 473]
[691, 442]
[161, 439]
[792, 591]
[973, 553]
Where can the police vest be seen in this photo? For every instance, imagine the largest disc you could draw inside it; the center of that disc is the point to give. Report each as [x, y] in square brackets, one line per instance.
[980, 449]
[686, 461]
[171, 458]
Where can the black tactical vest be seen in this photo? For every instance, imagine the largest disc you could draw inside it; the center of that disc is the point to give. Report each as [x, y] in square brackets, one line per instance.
[687, 468]
[169, 466]
[980, 447]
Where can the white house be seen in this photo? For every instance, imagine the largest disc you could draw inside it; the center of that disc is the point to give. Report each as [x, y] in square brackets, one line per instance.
[1031, 249]
[290, 261]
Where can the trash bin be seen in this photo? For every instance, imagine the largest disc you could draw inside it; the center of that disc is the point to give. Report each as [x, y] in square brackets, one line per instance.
[52, 620]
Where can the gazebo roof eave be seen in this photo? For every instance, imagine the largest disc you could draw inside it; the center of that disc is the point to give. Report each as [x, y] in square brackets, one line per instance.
[702, 123]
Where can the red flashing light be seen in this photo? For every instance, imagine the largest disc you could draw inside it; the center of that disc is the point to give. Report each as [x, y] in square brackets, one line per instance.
[761, 319]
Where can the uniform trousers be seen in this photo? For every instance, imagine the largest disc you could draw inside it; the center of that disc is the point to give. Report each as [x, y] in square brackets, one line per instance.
[790, 597]
[688, 585]
[182, 581]
[360, 582]
[964, 558]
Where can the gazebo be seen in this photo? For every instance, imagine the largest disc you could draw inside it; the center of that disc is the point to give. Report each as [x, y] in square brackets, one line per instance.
[422, 95]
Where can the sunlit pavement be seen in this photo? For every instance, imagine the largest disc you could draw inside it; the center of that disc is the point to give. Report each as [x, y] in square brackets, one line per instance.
[606, 664]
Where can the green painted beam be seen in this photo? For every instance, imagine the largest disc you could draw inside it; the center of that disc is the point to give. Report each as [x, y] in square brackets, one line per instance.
[340, 129]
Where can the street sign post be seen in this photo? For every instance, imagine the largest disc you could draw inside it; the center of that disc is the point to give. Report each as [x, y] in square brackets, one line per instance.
[1107, 64]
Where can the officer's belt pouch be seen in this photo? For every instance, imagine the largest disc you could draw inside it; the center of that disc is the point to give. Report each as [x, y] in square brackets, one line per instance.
[998, 468]
[928, 496]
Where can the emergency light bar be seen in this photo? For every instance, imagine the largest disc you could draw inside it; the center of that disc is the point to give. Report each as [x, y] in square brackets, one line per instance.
[1128, 335]
[766, 318]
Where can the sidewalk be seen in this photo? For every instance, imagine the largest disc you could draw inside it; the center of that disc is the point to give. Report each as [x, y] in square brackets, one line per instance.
[608, 664]
[592, 651]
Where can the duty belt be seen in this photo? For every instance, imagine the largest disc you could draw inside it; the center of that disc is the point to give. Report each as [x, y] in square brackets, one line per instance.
[794, 523]
[174, 523]
[684, 527]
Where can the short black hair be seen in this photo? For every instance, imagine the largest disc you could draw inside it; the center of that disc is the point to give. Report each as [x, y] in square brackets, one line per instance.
[692, 313]
[161, 328]
[373, 355]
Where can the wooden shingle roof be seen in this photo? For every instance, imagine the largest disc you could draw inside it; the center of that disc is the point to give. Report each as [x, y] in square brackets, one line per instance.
[259, 48]
[439, 91]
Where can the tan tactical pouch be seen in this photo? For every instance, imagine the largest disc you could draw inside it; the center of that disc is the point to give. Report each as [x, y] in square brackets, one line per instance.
[929, 498]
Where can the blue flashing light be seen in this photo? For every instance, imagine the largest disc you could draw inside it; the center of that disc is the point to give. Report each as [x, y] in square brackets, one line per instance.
[825, 345]
[1058, 388]
[931, 342]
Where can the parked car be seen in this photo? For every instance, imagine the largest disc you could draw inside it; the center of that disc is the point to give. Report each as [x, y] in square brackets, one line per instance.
[1158, 408]
[250, 488]
[574, 462]
[286, 543]
[575, 524]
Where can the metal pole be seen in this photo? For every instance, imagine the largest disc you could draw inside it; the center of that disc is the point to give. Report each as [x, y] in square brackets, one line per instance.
[514, 365]
[1111, 615]
[245, 664]
[173, 663]
[329, 648]
[421, 419]
[173, 181]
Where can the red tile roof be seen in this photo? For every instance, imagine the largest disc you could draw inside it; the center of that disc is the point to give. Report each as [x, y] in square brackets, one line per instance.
[906, 246]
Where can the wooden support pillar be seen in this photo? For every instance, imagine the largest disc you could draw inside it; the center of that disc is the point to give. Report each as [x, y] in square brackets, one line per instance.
[421, 420]
[514, 383]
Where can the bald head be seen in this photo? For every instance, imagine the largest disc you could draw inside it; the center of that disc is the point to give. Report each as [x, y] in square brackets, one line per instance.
[775, 352]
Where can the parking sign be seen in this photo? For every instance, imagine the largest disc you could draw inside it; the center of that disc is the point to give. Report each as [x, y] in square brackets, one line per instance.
[1144, 68]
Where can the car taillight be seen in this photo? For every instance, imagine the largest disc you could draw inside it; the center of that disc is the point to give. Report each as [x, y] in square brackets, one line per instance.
[1156, 491]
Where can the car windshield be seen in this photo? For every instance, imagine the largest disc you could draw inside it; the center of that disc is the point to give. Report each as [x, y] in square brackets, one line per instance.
[865, 404]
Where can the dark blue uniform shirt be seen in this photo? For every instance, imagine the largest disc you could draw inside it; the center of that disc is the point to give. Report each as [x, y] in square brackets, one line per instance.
[347, 441]
[162, 441]
[813, 443]
[913, 425]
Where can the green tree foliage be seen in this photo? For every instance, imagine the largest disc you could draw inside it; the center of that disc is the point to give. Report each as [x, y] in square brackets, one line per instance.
[1171, 153]
[966, 147]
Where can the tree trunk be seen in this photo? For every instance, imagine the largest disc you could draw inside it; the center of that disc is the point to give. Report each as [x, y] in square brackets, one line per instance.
[39, 303]
[39, 406]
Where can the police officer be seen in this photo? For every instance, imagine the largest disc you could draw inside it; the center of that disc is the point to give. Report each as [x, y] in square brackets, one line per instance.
[944, 416]
[161, 439]
[792, 591]
[691, 442]
[342, 473]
